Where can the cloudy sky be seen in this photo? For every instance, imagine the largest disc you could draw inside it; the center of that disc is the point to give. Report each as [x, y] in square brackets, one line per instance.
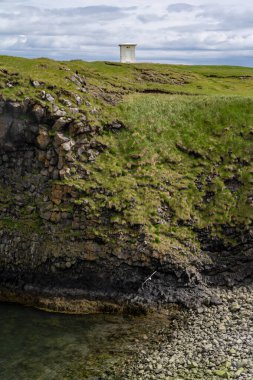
[198, 31]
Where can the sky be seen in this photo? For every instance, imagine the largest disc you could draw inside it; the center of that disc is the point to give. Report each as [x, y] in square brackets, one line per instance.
[167, 31]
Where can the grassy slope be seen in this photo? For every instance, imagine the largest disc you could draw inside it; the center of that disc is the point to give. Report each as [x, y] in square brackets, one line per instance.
[182, 159]
[182, 153]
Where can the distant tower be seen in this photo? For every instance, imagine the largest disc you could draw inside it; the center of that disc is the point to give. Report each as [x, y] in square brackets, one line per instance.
[127, 53]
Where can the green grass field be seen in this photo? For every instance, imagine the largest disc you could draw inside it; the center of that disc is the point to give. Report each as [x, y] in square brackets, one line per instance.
[123, 78]
[184, 159]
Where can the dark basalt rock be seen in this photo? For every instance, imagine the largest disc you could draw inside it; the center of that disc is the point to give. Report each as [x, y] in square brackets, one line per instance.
[16, 132]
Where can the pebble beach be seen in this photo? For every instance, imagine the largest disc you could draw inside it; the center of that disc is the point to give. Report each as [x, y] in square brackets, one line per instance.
[209, 343]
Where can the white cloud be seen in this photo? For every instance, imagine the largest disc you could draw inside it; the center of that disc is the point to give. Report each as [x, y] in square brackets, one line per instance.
[180, 7]
[197, 31]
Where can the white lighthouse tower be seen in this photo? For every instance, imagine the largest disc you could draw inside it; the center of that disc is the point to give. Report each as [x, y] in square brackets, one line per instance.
[127, 53]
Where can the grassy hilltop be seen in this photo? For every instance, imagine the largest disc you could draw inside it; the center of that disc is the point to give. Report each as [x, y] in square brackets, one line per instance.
[183, 160]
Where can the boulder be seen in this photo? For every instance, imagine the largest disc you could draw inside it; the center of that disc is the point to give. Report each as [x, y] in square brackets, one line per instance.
[74, 110]
[78, 100]
[61, 123]
[38, 112]
[66, 102]
[67, 145]
[56, 196]
[49, 98]
[15, 108]
[60, 139]
[35, 83]
[60, 113]
[43, 139]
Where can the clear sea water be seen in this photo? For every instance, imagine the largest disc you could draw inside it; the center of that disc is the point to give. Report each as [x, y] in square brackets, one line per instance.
[35, 345]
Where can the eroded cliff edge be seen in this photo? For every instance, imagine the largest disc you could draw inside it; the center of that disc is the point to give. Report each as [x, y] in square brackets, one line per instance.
[63, 234]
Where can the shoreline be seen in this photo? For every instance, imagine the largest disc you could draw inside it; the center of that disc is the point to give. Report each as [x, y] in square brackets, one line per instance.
[66, 305]
[209, 342]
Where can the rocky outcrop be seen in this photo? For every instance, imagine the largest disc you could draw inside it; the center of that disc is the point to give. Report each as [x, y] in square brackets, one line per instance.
[51, 243]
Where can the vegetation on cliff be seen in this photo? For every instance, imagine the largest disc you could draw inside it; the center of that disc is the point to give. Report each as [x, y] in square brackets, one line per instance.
[170, 148]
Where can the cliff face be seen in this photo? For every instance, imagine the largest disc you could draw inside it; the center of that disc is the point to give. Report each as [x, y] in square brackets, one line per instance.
[62, 233]
[49, 242]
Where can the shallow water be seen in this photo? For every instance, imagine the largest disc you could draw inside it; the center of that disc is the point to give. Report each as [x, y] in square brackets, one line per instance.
[42, 346]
